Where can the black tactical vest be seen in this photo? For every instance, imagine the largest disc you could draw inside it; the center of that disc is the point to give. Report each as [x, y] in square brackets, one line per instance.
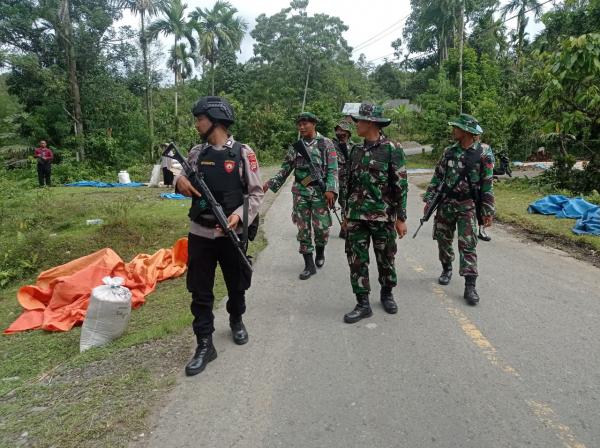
[221, 172]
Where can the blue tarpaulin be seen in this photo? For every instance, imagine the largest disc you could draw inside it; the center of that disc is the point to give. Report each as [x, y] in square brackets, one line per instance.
[550, 205]
[586, 213]
[93, 183]
[173, 196]
[589, 223]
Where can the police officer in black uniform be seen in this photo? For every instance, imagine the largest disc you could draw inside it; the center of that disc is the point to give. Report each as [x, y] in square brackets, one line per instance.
[231, 172]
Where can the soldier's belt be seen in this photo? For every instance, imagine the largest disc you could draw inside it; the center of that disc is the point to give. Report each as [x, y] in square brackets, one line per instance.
[308, 181]
[459, 196]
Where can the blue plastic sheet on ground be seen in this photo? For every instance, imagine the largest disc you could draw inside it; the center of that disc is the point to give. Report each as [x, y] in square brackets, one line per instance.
[576, 208]
[586, 213]
[173, 196]
[550, 205]
[93, 183]
[589, 224]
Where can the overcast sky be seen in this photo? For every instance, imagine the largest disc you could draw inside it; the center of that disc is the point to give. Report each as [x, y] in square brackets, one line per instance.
[364, 20]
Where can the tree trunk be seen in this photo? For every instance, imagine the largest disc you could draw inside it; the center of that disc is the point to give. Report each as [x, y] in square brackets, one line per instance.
[176, 87]
[212, 75]
[460, 54]
[148, 92]
[67, 34]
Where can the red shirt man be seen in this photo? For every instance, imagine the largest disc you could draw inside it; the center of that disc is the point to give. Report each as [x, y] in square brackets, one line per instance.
[43, 153]
[44, 156]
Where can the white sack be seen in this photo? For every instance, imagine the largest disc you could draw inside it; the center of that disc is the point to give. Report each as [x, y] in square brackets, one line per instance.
[107, 314]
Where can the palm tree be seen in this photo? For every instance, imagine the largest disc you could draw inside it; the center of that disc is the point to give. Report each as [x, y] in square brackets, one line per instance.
[181, 60]
[218, 29]
[523, 6]
[145, 8]
[173, 23]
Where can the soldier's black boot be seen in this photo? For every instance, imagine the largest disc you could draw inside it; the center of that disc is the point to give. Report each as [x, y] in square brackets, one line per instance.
[205, 353]
[320, 258]
[309, 267]
[471, 295]
[360, 311]
[446, 274]
[238, 330]
[483, 236]
[387, 300]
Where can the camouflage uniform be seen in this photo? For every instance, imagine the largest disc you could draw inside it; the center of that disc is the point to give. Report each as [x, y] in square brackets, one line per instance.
[310, 208]
[343, 154]
[458, 208]
[377, 188]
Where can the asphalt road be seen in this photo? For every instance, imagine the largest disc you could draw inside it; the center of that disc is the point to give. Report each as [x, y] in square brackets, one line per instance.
[522, 369]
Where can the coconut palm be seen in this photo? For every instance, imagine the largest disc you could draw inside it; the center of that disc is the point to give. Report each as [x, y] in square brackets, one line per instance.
[145, 8]
[173, 23]
[523, 6]
[218, 29]
[181, 61]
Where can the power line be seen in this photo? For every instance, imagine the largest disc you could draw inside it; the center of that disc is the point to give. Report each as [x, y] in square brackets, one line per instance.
[381, 57]
[483, 30]
[380, 34]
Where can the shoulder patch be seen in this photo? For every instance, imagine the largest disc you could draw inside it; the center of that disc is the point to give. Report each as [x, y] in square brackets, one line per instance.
[252, 161]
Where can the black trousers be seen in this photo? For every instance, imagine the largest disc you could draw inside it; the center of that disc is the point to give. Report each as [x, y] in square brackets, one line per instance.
[167, 176]
[44, 171]
[203, 256]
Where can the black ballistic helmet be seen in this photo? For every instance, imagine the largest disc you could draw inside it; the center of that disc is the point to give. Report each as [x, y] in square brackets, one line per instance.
[217, 109]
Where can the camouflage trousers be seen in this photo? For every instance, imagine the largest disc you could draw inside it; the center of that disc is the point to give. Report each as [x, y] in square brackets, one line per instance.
[342, 202]
[311, 213]
[358, 240]
[447, 220]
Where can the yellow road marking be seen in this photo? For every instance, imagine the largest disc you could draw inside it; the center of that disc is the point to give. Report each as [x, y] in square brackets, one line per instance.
[476, 336]
[547, 416]
[542, 411]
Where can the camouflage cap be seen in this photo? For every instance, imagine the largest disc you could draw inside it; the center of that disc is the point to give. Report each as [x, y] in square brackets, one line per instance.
[307, 116]
[467, 123]
[344, 126]
[371, 112]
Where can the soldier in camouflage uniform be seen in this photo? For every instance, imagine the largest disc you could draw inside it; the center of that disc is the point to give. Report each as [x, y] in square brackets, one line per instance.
[343, 146]
[375, 210]
[469, 168]
[311, 206]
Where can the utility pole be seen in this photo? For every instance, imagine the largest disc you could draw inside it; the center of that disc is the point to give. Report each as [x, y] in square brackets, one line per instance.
[305, 87]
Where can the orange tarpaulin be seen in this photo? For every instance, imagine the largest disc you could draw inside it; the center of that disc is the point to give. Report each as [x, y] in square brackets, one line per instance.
[59, 299]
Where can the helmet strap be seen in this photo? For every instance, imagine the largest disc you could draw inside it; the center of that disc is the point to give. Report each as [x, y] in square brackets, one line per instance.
[209, 132]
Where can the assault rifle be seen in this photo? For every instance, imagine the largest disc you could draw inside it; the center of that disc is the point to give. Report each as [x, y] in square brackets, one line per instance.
[438, 197]
[199, 184]
[443, 190]
[315, 174]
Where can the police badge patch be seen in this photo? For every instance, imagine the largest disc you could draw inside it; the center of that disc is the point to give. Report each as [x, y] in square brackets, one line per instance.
[229, 166]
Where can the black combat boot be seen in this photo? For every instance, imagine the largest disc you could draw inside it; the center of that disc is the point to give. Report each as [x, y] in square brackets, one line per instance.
[320, 258]
[205, 353]
[446, 274]
[360, 311]
[387, 300]
[471, 295]
[309, 267]
[238, 330]
[483, 236]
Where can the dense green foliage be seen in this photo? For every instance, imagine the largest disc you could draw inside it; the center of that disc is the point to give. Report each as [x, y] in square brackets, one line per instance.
[100, 96]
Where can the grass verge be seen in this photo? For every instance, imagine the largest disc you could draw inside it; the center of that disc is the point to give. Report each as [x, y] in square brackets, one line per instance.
[420, 161]
[50, 394]
[512, 200]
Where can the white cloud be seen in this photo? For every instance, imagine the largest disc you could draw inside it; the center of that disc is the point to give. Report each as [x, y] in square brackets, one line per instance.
[364, 21]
